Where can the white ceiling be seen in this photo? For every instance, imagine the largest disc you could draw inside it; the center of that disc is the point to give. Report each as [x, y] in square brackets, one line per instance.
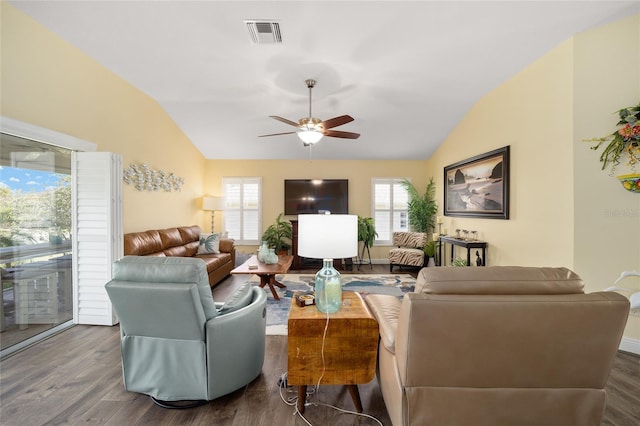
[407, 72]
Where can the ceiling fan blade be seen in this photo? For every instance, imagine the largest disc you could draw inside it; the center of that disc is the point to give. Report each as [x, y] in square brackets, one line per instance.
[337, 121]
[277, 134]
[285, 121]
[339, 134]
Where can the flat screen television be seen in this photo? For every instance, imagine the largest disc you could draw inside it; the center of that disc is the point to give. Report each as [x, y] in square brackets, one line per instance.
[304, 196]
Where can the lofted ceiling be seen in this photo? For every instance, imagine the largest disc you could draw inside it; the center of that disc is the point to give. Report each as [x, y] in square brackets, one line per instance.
[407, 72]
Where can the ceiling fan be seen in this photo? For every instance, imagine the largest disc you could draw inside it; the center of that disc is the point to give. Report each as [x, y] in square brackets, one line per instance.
[311, 129]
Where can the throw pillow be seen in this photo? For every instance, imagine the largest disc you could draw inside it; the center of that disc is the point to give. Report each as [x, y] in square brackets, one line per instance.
[209, 243]
[241, 298]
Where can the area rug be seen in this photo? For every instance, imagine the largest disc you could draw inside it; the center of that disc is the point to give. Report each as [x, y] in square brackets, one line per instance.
[278, 310]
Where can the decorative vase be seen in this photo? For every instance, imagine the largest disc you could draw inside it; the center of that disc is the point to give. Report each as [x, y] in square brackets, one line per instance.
[271, 258]
[328, 288]
[263, 251]
[630, 182]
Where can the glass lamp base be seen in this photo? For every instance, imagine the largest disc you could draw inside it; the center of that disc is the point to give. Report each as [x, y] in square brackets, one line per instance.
[328, 288]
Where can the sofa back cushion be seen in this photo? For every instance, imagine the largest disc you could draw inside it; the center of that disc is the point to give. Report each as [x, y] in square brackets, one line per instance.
[142, 243]
[509, 341]
[499, 280]
[190, 233]
[170, 238]
[410, 239]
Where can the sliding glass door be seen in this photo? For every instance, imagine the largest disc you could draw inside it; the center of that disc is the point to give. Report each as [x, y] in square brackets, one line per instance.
[35, 239]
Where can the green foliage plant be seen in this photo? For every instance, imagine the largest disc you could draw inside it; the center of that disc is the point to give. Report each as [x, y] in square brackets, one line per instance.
[459, 262]
[278, 235]
[366, 231]
[430, 249]
[623, 142]
[422, 208]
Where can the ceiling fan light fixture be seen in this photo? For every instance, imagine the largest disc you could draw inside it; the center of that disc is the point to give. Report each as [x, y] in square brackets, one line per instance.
[309, 137]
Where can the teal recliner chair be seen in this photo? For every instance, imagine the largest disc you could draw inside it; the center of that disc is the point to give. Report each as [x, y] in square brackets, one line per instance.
[176, 343]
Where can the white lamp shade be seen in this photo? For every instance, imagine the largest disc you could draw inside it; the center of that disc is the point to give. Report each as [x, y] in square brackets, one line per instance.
[212, 203]
[327, 236]
[309, 136]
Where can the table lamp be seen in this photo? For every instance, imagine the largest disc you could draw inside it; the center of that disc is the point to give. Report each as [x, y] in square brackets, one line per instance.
[212, 204]
[328, 237]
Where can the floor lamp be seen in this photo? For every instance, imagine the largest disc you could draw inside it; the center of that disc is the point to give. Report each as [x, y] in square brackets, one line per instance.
[328, 237]
[212, 204]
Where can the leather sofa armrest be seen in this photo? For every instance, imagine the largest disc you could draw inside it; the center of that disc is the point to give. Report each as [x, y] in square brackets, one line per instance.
[227, 245]
[386, 310]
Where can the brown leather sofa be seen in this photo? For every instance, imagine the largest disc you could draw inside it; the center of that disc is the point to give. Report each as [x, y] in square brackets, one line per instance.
[497, 346]
[182, 241]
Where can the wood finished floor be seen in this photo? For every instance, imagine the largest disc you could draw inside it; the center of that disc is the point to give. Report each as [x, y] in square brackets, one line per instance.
[75, 378]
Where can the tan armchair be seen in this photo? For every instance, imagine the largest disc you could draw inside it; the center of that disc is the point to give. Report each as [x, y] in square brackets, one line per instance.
[408, 249]
[497, 346]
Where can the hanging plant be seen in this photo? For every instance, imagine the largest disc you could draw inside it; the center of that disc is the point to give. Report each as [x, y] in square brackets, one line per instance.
[624, 142]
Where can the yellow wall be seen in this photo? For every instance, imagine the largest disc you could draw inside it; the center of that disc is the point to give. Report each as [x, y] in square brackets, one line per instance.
[564, 210]
[51, 84]
[274, 172]
[607, 219]
[532, 114]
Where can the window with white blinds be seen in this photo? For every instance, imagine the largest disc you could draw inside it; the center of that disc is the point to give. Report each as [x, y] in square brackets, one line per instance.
[389, 208]
[242, 208]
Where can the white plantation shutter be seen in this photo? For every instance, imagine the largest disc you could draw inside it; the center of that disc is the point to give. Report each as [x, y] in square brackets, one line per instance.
[389, 208]
[242, 207]
[97, 231]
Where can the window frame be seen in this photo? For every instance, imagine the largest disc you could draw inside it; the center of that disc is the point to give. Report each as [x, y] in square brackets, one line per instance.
[243, 180]
[391, 181]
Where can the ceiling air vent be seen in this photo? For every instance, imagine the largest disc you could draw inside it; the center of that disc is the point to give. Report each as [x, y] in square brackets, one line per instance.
[264, 32]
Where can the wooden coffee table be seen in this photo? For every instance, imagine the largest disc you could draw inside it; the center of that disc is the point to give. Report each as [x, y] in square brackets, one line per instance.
[350, 347]
[267, 273]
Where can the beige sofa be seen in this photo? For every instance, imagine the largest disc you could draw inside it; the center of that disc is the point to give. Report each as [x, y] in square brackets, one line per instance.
[497, 346]
[182, 241]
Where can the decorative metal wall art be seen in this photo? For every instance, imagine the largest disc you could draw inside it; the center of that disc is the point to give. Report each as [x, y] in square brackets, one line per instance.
[144, 178]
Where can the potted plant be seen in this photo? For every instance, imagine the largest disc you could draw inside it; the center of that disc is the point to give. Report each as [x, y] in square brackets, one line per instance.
[624, 143]
[366, 231]
[367, 234]
[430, 252]
[422, 208]
[278, 235]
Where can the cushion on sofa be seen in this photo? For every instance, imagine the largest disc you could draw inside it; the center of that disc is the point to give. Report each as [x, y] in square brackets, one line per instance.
[177, 251]
[142, 243]
[214, 261]
[239, 299]
[209, 243]
[156, 254]
[499, 280]
[170, 237]
[190, 233]
[191, 248]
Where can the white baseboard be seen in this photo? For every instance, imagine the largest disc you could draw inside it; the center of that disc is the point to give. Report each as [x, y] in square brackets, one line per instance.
[630, 345]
